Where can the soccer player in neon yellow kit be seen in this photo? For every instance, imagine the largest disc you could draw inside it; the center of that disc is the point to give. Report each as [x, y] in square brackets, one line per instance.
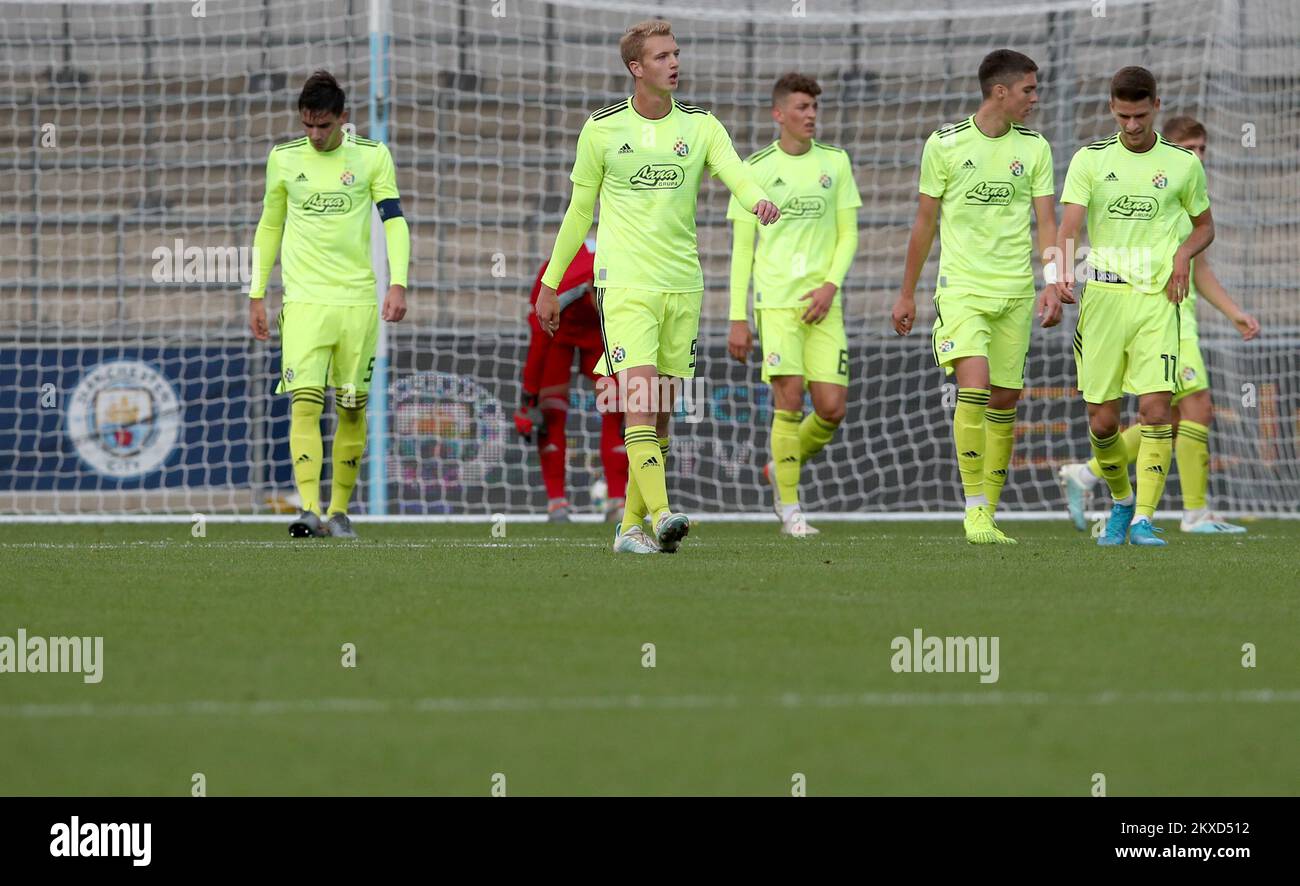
[985, 172]
[644, 156]
[798, 271]
[1193, 409]
[316, 212]
[1136, 190]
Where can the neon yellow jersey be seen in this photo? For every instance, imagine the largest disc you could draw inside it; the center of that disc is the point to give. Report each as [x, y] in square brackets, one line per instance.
[323, 199]
[794, 255]
[649, 173]
[1138, 206]
[986, 188]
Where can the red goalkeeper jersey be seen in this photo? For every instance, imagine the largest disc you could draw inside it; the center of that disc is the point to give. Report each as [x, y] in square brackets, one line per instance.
[579, 320]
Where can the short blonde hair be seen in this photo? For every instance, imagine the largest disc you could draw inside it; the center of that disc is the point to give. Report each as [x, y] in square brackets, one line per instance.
[632, 43]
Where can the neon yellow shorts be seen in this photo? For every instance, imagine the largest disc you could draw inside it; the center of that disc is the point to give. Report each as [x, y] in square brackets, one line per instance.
[996, 328]
[1192, 376]
[1126, 340]
[327, 346]
[817, 351]
[644, 327]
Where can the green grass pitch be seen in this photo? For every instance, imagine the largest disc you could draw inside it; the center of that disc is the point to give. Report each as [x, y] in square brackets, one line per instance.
[523, 656]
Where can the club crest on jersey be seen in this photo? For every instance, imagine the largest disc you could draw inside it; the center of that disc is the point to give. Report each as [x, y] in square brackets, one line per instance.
[774, 359]
[946, 345]
[288, 375]
[1017, 168]
[1160, 180]
[1189, 374]
[618, 354]
[680, 148]
[347, 178]
[825, 180]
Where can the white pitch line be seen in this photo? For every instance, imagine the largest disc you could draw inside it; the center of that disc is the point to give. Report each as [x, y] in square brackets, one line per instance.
[508, 704]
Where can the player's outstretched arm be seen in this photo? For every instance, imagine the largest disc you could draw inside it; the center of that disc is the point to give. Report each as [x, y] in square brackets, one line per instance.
[266, 245]
[1208, 285]
[573, 230]
[918, 250]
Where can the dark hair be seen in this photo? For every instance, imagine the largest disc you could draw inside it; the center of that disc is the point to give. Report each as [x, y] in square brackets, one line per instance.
[794, 82]
[322, 94]
[1175, 129]
[1133, 84]
[1004, 66]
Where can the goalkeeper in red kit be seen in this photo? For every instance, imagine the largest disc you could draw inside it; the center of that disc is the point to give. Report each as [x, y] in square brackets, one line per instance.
[548, 372]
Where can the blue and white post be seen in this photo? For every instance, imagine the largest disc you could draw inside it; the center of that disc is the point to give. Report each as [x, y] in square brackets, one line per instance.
[377, 411]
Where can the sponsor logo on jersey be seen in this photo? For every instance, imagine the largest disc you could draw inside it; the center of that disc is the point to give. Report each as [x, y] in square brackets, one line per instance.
[1017, 168]
[1133, 206]
[347, 178]
[1160, 180]
[626, 149]
[991, 194]
[124, 418]
[680, 148]
[1112, 177]
[657, 176]
[328, 203]
[302, 177]
[968, 165]
[811, 206]
[825, 180]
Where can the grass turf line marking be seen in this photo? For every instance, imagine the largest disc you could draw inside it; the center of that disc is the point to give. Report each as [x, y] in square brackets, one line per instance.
[509, 704]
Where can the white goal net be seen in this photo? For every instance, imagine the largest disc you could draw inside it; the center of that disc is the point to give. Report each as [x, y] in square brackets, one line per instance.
[138, 134]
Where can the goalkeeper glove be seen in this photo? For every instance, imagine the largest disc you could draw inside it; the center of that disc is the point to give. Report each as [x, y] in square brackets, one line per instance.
[528, 418]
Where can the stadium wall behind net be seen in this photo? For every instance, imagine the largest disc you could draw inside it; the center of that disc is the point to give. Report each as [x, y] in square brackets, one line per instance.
[138, 131]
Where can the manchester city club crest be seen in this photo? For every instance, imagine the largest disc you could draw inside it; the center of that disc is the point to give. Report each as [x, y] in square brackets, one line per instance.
[1017, 168]
[347, 178]
[1160, 181]
[825, 180]
[680, 148]
[124, 419]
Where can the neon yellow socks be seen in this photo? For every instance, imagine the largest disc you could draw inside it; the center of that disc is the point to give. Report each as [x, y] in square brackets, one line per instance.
[814, 433]
[786, 460]
[1192, 449]
[999, 440]
[1130, 437]
[305, 444]
[634, 502]
[1112, 465]
[349, 444]
[968, 434]
[1154, 455]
